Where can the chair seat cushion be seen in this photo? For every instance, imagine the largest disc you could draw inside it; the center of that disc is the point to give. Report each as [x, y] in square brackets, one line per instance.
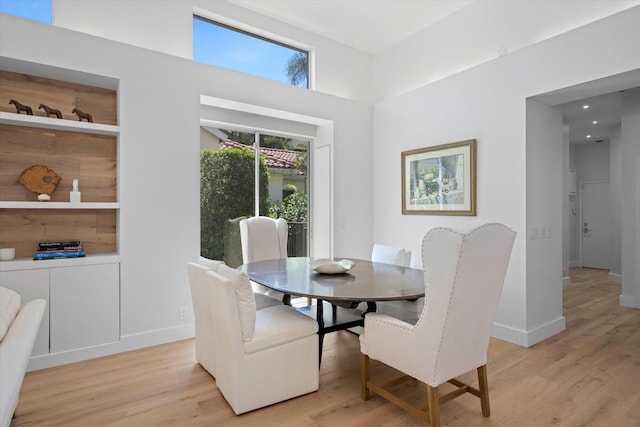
[278, 325]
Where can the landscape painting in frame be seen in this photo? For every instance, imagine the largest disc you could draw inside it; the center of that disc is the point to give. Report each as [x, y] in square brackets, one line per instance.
[440, 180]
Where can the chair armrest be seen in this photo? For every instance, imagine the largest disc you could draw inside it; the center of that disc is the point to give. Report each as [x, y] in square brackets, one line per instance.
[279, 325]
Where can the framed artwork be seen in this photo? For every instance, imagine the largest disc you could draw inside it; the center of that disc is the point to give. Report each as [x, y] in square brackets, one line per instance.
[440, 180]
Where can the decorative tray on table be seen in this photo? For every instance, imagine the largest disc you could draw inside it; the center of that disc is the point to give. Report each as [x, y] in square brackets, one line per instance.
[328, 266]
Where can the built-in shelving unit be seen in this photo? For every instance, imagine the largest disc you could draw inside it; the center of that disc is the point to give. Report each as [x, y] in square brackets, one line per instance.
[72, 148]
[89, 152]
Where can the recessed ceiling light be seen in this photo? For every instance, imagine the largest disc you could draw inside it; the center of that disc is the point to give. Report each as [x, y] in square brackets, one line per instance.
[588, 136]
[585, 106]
[595, 122]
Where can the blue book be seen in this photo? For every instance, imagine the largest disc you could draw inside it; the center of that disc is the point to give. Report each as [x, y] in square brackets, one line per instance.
[60, 254]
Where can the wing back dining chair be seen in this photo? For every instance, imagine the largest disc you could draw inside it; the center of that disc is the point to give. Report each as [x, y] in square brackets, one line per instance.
[256, 350]
[464, 273]
[263, 239]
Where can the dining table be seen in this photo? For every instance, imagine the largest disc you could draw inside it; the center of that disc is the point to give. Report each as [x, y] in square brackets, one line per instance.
[335, 294]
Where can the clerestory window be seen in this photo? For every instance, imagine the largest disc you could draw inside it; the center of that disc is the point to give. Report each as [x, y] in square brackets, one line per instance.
[37, 10]
[221, 45]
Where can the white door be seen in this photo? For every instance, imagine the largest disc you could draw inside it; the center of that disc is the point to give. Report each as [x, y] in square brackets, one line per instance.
[321, 195]
[596, 214]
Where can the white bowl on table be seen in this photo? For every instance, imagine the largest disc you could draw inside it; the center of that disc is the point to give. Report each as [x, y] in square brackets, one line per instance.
[328, 266]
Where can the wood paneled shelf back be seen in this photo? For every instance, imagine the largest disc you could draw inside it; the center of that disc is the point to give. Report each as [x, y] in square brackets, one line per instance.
[21, 93]
[72, 134]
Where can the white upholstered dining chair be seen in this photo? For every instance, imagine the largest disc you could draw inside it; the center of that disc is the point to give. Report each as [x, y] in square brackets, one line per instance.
[263, 239]
[401, 309]
[464, 274]
[390, 255]
[205, 341]
[254, 350]
[386, 254]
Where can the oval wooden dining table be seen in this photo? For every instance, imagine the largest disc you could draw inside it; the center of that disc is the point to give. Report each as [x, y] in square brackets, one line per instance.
[366, 281]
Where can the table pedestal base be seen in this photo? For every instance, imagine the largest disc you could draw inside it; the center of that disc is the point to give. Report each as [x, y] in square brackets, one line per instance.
[331, 318]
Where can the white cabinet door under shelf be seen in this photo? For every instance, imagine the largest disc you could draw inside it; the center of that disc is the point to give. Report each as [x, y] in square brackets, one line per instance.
[85, 306]
[31, 284]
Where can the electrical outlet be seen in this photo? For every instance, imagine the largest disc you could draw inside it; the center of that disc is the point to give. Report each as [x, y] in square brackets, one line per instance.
[184, 313]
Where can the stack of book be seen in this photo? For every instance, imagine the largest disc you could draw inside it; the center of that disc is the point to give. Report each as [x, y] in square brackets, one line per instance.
[59, 249]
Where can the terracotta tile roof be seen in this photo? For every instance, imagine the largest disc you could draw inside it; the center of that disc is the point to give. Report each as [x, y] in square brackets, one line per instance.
[274, 157]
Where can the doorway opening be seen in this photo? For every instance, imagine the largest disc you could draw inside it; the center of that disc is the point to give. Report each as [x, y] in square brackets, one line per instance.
[597, 146]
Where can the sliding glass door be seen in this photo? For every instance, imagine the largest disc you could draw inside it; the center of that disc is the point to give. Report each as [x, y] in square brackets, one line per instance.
[240, 178]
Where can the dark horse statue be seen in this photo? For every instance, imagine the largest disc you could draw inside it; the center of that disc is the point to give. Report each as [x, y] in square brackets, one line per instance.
[50, 111]
[20, 107]
[82, 115]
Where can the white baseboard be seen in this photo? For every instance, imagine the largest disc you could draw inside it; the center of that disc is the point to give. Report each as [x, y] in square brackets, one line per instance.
[573, 264]
[628, 301]
[615, 277]
[126, 343]
[531, 337]
[566, 281]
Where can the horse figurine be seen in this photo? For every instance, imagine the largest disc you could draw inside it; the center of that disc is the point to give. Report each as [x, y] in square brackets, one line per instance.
[20, 107]
[50, 111]
[82, 115]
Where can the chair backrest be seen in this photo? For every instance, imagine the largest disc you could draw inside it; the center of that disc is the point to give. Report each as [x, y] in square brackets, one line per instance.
[263, 238]
[464, 272]
[234, 314]
[205, 340]
[391, 255]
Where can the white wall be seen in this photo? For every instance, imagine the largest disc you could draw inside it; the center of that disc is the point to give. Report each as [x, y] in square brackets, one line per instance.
[630, 218]
[159, 116]
[477, 33]
[591, 161]
[166, 26]
[487, 102]
[615, 185]
[567, 212]
[544, 198]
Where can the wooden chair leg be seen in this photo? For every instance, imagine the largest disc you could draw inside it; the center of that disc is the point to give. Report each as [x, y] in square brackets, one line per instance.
[364, 377]
[434, 406]
[484, 390]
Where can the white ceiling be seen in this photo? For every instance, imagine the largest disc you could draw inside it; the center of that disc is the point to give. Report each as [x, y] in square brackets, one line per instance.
[604, 98]
[606, 110]
[367, 25]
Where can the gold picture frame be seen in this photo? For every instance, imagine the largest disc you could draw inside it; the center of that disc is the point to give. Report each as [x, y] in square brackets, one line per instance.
[440, 180]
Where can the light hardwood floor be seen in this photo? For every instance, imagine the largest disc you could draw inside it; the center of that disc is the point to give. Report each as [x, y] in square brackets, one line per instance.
[587, 375]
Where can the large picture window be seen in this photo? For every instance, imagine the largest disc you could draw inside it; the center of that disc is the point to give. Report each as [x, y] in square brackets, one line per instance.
[224, 46]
